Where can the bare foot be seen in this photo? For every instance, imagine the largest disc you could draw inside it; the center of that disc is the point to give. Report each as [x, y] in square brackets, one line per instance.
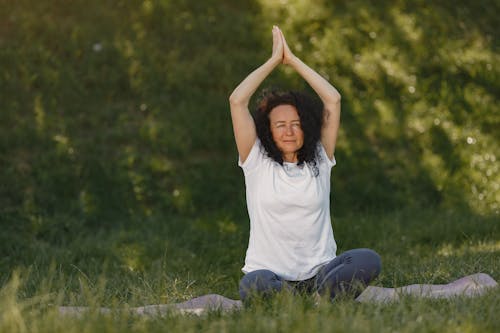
[471, 285]
[378, 295]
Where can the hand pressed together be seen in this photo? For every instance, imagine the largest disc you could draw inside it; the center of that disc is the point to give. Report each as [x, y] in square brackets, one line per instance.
[281, 50]
[243, 122]
[277, 54]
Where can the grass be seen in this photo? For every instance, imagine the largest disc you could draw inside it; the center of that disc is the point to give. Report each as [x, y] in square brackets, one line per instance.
[171, 262]
[285, 314]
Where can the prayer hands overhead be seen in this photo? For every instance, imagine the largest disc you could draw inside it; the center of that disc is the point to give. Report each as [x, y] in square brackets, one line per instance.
[277, 54]
[281, 50]
[287, 53]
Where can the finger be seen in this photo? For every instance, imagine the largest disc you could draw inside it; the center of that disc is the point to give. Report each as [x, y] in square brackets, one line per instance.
[276, 35]
[282, 36]
[275, 29]
[277, 32]
[277, 39]
[285, 44]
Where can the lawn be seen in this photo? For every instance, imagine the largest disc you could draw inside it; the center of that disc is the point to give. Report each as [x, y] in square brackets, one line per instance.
[158, 264]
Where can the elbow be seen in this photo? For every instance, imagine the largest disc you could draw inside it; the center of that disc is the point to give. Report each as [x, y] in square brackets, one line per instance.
[332, 106]
[233, 100]
[337, 98]
[333, 100]
[236, 101]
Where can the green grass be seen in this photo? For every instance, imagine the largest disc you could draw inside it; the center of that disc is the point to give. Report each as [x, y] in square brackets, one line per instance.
[284, 313]
[129, 101]
[160, 263]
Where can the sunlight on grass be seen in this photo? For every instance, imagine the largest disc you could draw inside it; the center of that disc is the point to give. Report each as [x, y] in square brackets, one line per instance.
[11, 318]
[227, 226]
[39, 113]
[131, 256]
[87, 203]
[448, 250]
[408, 24]
[422, 105]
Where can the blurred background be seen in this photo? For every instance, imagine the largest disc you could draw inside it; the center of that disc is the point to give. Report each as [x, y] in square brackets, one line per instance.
[116, 145]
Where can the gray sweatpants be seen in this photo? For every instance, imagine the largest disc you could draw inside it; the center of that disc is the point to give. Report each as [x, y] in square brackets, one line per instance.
[349, 272]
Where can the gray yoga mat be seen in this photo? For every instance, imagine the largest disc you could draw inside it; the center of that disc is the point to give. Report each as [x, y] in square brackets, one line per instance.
[470, 286]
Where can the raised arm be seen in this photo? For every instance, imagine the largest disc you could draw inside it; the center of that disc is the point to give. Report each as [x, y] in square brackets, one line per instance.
[326, 92]
[243, 124]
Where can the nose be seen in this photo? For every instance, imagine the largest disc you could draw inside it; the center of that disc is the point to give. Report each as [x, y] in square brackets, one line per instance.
[289, 130]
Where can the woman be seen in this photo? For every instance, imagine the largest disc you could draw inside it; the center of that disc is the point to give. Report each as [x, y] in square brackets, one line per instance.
[286, 155]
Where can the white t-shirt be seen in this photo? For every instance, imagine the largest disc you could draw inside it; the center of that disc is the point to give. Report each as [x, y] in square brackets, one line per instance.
[289, 209]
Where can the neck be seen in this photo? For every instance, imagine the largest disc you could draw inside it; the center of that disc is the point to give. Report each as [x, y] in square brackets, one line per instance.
[291, 158]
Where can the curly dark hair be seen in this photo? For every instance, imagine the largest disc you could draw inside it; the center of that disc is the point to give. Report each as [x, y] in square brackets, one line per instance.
[310, 112]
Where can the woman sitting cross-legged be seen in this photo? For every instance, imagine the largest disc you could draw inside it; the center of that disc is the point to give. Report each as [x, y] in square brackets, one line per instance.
[287, 153]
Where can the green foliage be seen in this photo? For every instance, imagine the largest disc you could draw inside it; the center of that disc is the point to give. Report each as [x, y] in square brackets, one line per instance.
[113, 109]
[420, 94]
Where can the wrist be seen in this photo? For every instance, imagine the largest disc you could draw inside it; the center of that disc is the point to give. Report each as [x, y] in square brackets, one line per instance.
[273, 61]
[292, 60]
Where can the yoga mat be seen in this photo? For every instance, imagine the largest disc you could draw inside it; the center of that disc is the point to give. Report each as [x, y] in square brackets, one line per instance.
[470, 286]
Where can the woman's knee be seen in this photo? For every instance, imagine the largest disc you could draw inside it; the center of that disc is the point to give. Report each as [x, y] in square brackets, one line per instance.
[373, 261]
[366, 260]
[363, 264]
[351, 271]
[260, 282]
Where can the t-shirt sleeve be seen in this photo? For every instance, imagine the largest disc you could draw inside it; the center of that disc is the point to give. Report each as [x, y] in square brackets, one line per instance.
[324, 157]
[253, 159]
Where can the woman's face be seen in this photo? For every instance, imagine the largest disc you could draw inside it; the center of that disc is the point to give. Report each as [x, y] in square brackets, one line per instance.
[287, 131]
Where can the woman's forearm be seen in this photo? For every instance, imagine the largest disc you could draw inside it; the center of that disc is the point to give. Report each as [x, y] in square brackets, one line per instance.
[243, 125]
[328, 95]
[326, 92]
[244, 91]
